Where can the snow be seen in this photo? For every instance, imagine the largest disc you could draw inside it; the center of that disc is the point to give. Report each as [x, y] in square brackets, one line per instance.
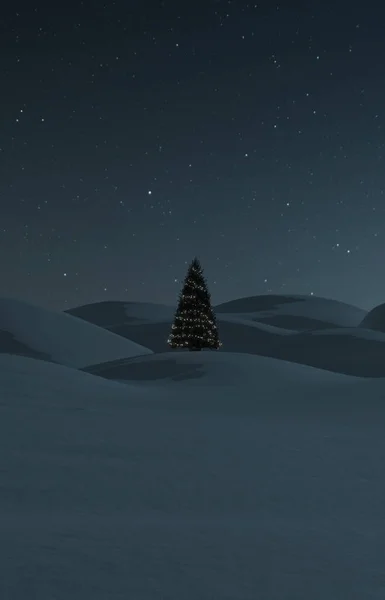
[350, 350]
[375, 319]
[40, 333]
[210, 368]
[113, 314]
[357, 332]
[341, 348]
[294, 312]
[258, 479]
[241, 319]
[300, 312]
[255, 325]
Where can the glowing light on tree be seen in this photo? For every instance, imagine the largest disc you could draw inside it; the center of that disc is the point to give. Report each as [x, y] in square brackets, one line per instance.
[194, 324]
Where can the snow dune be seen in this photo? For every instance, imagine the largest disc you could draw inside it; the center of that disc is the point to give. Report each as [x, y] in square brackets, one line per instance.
[293, 312]
[111, 314]
[307, 330]
[375, 319]
[211, 368]
[296, 313]
[59, 337]
[268, 487]
[205, 475]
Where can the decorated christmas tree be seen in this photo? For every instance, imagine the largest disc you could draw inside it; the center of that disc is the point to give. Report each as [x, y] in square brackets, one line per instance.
[194, 323]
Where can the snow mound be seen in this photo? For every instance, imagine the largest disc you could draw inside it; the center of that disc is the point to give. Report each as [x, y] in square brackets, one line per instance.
[293, 312]
[254, 325]
[24, 379]
[248, 491]
[375, 319]
[212, 368]
[351, 350]
[292, 328]
[115, 314]
[58, 337]
[149, 325]
[285, 312]
[237, 335]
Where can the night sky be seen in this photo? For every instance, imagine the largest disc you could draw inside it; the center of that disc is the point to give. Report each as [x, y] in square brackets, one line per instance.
[137, 134]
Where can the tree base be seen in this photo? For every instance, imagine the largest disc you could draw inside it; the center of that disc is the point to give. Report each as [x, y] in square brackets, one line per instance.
[195, 349]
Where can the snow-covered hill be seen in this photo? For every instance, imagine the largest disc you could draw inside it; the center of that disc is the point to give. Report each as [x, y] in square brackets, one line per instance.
[351, 350]
[271, 487]
[59, 337]
[375, 319]
[149, 324]
[302, 329]
[208, 368]
[293, 312]
[114, 314]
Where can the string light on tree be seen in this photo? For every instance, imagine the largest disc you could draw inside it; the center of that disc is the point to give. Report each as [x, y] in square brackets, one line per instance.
[194, 324]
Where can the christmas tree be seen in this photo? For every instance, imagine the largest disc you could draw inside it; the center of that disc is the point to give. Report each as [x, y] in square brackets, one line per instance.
[194, 323]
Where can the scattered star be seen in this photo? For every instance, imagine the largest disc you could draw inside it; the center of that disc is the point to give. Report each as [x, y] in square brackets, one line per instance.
[238, 133]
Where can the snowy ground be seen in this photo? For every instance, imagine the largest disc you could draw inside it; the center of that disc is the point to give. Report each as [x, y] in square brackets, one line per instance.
[270, 489]
[318, 332]
[36, 332]
[293, 311]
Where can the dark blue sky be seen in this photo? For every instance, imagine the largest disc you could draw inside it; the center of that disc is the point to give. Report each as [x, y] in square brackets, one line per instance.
[135, 135]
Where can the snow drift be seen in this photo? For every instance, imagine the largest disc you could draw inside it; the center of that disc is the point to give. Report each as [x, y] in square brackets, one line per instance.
[293, 312]
[270, 488]
[303, 329]
[59, 337]
[296, 313]
[211, 368]
[113, 314]
[375, 319]
[353, 351]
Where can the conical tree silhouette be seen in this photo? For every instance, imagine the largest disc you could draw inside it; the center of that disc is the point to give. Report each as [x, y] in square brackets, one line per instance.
[194, 323]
